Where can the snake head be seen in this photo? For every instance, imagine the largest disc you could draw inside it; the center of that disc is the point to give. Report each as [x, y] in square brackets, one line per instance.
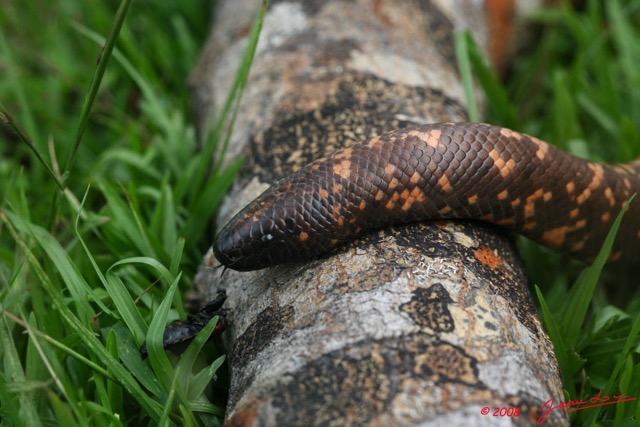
[247, 243]
[275, 228]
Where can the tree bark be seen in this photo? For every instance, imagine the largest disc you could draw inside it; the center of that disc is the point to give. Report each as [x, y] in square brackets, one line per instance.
[419, 324]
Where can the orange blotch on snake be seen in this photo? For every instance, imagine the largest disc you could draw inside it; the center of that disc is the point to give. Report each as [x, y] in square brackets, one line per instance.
[418, 194]
[336, 215]
[627, 169]
[571, 186]
[596, 181]
[578, 246]
[323, 193]
[433, 137]
[509, 166]
[510, 133]
[344, 154]
[473, 199]
[390, 169]
[605, 217]
[407, 205]
[379, 195]
[343, 169]
[504, 167]
[393, 183]
[555, 237]
[615, 256]
[542, 148]
[443, 182]
[608, 193]
[598, 173]
[583, 196]
[504, 221]
[503, 195]
[444, 210]
[529, 208]
[362, 205]
[374, 142]
[303, 236]
[574, 212]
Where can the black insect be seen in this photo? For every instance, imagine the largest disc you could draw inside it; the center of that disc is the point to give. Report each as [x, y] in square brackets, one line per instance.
[178, 335]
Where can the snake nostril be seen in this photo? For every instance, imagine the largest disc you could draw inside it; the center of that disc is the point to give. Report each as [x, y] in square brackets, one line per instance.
[223, 246]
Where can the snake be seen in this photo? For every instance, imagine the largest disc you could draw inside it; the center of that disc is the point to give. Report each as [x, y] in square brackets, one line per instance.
[437, 172]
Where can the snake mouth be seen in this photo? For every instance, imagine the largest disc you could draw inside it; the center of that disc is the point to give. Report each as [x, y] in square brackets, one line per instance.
[257, 253]
[227, 251]
[242, 252]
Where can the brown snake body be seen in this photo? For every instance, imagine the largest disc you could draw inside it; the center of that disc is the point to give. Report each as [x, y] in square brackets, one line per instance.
[438, 171]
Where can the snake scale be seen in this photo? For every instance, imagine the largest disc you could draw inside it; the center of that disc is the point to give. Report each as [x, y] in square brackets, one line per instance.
[438, 171]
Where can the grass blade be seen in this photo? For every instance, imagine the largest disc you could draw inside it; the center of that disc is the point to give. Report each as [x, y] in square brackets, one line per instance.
[103, 61]
[581, 294]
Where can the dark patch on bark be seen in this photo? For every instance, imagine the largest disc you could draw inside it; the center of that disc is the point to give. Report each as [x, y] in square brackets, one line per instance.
[363, 106]
[352, 386]
[429, 308]
[260, 333]
[440, 30]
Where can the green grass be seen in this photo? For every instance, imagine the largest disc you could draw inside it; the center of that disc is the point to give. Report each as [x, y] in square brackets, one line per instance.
[106, 212]
[579, 88]
[106, 204]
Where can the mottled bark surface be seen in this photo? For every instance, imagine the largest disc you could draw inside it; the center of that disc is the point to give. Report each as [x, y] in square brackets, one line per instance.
[418, 324]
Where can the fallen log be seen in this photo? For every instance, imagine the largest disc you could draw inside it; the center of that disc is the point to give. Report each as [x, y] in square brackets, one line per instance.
[424, 323]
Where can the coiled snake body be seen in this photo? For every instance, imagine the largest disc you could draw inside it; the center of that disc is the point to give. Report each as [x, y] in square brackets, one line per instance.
[438, 171]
